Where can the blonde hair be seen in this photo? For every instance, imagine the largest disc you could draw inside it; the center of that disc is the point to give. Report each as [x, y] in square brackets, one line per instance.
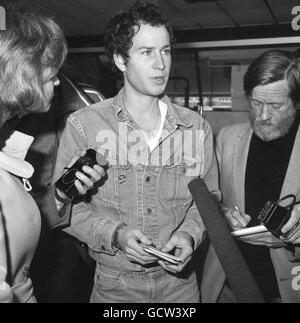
[31, 44]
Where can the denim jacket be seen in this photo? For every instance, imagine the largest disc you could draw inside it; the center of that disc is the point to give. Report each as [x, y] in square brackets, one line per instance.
[146, 190]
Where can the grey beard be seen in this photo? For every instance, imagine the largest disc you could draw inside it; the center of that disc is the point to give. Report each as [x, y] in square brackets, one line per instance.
[280, 131]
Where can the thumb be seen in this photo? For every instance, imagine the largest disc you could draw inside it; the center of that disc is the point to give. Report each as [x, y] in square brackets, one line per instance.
[170, 245]
[142, 238]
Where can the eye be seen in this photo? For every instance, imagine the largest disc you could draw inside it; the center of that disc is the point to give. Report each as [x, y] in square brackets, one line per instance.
[255, 103]
[276, 106]
[49, 79]
[167, 51]
[147, 52]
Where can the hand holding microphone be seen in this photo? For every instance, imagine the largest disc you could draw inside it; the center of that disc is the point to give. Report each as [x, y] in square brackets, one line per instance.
[81, 175]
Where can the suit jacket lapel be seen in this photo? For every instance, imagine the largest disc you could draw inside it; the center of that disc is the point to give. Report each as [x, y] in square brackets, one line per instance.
[291, 183]
[240, 156]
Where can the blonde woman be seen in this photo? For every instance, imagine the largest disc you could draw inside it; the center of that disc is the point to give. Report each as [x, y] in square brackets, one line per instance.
[32, 50]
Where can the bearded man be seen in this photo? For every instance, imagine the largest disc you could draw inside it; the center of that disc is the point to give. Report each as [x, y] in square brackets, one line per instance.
[259, 161]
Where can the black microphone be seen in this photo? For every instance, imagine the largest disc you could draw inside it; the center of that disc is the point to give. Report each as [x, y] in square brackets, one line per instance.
[234, 265]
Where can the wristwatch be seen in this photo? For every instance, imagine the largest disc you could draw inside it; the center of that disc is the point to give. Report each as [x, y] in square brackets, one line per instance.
[115, 242]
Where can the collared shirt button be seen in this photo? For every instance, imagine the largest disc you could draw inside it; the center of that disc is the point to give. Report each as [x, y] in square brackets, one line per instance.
[148, 178]
[149, 211]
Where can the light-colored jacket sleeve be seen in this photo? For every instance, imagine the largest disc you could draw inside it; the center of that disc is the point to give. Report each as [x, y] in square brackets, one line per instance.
[85, 225]
[6, 295]
[219, 146]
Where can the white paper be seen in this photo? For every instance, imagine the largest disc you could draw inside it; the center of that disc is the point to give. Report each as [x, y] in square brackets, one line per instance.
[249, 231]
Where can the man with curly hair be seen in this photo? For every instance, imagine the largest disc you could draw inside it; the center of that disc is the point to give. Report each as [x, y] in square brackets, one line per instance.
[144, 199]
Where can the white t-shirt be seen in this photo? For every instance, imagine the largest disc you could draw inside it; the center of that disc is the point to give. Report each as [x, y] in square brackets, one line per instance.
[153, 139]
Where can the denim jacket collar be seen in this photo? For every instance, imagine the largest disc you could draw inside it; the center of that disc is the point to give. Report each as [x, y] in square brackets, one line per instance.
[173, 116]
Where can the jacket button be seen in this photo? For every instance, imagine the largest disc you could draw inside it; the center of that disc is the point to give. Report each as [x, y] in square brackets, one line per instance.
[149, 211]
[148, 178]
[122, 179]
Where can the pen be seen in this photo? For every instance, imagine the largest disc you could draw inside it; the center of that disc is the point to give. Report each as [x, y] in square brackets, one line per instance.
[241, 214]
[237, 208]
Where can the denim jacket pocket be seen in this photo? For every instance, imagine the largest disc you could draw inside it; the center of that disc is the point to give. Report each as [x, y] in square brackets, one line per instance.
[174, 185]
[116, 174]
[107, 188]
[117, 190]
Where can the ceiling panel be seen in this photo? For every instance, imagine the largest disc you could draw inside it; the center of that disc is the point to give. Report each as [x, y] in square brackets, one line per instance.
[179, 17]
[80, 17]
[90, 17]
[283, 9]
[254, 12]
[205, 14]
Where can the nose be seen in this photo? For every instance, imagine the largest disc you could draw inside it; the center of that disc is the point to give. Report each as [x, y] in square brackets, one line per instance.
[159, 62]
[265, 113]
[56, 82]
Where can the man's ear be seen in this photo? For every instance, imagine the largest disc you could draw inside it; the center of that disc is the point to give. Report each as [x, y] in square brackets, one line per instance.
[120, 62]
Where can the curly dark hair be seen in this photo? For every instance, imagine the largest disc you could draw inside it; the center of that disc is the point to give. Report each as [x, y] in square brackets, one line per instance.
[121, 27]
